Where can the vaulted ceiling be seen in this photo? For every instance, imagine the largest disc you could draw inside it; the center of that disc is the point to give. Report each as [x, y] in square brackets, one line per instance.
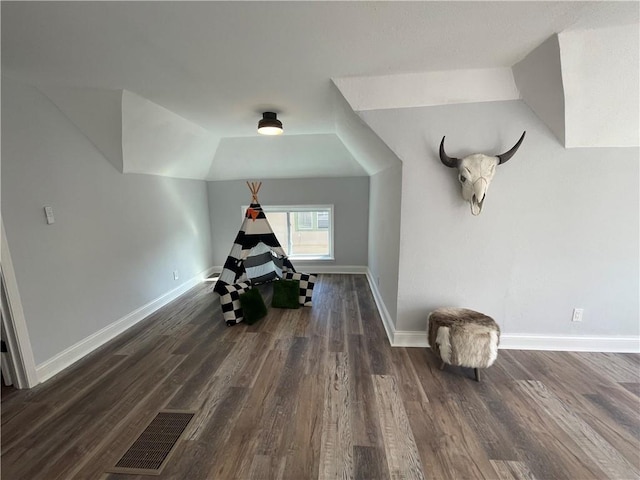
[177, 88]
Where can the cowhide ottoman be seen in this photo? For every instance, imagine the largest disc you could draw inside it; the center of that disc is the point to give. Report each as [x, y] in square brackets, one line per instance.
[463, 337]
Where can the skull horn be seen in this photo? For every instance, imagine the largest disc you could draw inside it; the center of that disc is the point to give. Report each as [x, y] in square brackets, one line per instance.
[447, 160]
[507, 155]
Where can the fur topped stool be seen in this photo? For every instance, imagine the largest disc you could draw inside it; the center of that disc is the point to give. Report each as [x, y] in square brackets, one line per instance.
[463, 337]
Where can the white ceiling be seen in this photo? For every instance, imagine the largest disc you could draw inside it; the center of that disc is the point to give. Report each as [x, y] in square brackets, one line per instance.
[220, 64]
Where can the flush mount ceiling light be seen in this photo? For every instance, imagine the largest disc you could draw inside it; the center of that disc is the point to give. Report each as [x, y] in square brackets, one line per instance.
[269, 125]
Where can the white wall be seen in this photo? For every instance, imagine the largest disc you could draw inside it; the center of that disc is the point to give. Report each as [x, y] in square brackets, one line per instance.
[153, 137]
[384, 234]
[601, 75]
[350, 197]
[423, 89]
[559, 227]
[116, 238]
[359, 139]
[539, 79]
[97, 112]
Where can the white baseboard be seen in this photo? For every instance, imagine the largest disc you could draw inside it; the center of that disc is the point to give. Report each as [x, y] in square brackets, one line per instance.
[397, 338]
[410, 339]
[67, 357]
[567, 343]
[614, 344]
[341, 269]
[387, 321]
[319, 268]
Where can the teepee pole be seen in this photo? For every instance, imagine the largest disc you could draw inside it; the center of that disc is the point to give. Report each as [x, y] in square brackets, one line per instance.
[254, 188]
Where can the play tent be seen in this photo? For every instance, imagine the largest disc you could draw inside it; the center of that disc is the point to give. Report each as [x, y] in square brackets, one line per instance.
[256, 254]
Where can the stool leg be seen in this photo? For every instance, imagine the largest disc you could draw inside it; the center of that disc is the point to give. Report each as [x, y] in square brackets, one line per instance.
[477, 372]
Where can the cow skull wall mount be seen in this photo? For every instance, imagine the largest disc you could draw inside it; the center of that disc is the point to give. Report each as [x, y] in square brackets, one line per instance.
[476, 171]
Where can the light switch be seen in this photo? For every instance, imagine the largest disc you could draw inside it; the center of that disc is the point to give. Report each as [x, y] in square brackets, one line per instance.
[48, 211]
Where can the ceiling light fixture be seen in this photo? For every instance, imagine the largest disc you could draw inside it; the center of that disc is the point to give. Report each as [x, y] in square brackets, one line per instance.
[269, 125]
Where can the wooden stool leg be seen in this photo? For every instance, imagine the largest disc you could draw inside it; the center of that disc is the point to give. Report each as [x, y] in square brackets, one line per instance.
[477, 372]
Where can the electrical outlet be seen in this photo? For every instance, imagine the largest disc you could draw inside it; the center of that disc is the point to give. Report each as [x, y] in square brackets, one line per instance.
[48, 212]
[175, 275]
[577, 315]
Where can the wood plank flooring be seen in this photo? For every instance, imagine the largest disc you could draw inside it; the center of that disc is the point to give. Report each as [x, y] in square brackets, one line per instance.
[318, 393]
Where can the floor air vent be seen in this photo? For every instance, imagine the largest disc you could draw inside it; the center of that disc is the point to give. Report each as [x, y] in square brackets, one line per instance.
[148, 455]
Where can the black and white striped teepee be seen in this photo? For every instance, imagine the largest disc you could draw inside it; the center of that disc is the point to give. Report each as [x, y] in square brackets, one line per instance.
[256, 254]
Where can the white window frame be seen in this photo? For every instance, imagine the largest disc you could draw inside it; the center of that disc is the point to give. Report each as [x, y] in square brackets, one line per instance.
[301, 208]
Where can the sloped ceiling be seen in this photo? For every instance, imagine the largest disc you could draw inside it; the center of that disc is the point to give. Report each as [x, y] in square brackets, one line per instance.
[194, 77]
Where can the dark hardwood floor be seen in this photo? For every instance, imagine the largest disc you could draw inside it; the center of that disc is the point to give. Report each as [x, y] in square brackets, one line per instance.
[319, 393]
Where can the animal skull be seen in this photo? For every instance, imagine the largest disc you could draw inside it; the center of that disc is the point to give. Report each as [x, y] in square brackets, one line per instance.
[475, 173]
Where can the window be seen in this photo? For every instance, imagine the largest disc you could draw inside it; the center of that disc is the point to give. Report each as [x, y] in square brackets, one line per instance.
[323, 220]
[304, 231]
[304, 220]
[318, 220]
